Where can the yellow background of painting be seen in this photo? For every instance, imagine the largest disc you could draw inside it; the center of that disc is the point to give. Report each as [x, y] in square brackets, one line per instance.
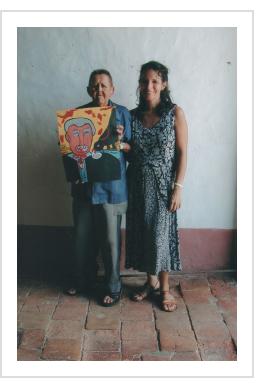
[76, 113]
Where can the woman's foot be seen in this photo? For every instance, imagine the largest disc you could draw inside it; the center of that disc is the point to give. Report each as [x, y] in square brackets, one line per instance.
[168, 302]
[146, 290]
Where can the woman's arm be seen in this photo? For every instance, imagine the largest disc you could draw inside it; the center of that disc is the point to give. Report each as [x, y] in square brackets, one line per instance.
[181, 134]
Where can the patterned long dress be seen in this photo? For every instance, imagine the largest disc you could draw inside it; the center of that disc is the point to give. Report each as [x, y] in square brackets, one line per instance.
[152, 241]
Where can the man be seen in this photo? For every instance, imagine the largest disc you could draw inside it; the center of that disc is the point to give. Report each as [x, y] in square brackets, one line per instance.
[98, 207]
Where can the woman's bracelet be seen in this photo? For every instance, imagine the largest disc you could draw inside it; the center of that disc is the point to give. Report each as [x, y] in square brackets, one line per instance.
[178, 184]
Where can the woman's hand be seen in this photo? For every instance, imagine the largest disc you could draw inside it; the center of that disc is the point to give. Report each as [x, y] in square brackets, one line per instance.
[175, 199]
[125, 147]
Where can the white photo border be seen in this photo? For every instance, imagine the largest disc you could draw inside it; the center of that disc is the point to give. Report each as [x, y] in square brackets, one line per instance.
[243, 21]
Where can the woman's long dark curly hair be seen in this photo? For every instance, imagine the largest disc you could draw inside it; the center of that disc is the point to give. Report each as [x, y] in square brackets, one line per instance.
[165, 101]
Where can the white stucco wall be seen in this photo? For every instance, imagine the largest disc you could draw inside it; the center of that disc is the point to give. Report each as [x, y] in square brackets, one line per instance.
[53, 70]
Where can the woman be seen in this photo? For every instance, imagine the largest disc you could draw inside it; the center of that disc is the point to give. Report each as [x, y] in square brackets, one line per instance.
[155, 181]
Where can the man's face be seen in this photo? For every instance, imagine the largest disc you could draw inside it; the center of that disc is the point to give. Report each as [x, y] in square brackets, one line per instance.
[101, 89]
[80, 139]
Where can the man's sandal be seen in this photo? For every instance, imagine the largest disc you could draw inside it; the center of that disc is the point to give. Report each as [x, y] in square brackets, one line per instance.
[168, 303]
[115, 296]
[72, 291]
[145, 291]
[79, 290]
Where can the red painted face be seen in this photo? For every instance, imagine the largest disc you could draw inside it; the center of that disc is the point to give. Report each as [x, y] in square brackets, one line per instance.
[80, 139]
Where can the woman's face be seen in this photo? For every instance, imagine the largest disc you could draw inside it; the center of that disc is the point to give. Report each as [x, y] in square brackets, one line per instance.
[150, 86]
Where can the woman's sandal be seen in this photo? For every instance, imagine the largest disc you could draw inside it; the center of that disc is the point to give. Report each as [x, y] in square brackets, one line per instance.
[168, 304]
[145, 291]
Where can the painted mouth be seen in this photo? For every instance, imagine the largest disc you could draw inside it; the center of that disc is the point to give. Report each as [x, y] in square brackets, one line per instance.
[81, 151]
[81, 148]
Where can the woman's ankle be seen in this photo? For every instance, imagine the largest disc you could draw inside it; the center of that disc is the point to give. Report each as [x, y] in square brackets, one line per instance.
[153, 281]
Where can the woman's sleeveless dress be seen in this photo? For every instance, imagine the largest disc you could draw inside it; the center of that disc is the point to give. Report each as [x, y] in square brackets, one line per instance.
[152, 241]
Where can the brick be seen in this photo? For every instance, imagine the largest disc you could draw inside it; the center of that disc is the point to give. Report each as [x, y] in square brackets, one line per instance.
[32, 339]
[218, 355]
[39, 306]
[170, 341]
[103, 320]
[102, 340]
[193, 284]
[72, 300]
[157, 356]
[210, 329]
[71, 313]
[62, 350]
[221, 288]
[232, 327]
[96, 308]
[178, 327]
[28, 355]
[65, 329]
[34, 298]
[216, 343]
[30, 320]
[228, 306]
[129, 304]
[140, 311]
[204, 312]
[101, 356]
[133, 348]
[198, 296]
[45, 293]
[137, 329]
[177, 320]
[186, 356]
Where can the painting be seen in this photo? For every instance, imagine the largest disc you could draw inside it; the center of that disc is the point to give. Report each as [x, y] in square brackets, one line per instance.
[89, 144]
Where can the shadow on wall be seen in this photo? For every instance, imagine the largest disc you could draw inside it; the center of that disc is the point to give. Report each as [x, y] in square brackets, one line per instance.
[46, 253]
[43, 192]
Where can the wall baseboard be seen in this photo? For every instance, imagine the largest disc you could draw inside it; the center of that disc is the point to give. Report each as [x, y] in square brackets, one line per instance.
[45, 252]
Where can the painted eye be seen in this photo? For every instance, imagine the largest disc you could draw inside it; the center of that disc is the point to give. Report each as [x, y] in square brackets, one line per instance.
[76, 133]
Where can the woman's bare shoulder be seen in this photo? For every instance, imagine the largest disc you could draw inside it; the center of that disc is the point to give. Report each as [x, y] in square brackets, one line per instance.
[179, 112]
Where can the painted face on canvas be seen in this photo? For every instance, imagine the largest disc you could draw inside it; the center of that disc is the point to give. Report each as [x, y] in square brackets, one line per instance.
[80, 138]
[101, 89]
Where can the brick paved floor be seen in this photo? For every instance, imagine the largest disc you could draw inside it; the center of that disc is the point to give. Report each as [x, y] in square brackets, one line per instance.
[53, 326]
